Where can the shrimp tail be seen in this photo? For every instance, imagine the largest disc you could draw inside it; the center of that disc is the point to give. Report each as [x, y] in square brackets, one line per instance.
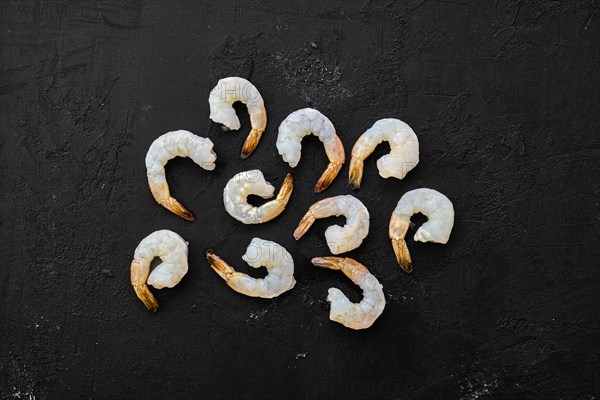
[176, 207]
[286, 189]
[161, 194]
[139, 275]
[146, 296]
[355, 172]
[219, 265]
[327, 262]
[305, 223]
[328, 176]
[251, 142]
[402, 254]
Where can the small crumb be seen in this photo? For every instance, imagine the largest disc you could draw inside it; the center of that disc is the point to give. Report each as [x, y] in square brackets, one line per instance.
[107, 273]
[314, 45]
[301, 355]
[193, 309]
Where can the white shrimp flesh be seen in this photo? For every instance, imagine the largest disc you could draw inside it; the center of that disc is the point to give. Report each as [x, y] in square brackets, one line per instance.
[253, 182]
[431, 203]
[339, 239]
[168, 146]
[221, 99]
[353, 315]
[404, 150]
[305, 122]
[172, 250]
[260, 253]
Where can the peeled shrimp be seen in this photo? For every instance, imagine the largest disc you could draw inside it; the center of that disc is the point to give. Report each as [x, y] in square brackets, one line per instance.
[434, 206]
[168, 146]
[353, 315]
[404, 155]
[172, 250]
[302, 123]
[253, 182]
[339, 239]
[260, 253]
[228, 91]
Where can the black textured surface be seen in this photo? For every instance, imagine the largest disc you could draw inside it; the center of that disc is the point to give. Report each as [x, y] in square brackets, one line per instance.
[504, 98]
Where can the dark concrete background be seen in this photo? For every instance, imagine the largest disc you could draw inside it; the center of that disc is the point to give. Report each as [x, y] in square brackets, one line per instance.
[504, 98]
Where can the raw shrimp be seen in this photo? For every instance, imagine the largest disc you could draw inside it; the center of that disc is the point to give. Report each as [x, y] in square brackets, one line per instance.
[172, 250]
[260, 253]
[339, 239]
[168, 146]
[302, 123]
[435, 206]
[404, 155]
[353, 315]
[228, 91]
[253, 182]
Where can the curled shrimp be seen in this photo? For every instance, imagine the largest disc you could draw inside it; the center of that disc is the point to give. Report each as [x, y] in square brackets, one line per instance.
[250, 182]
[228, 91]
[435, 206]
[404, 155]
[339, 239]
[302, 123]
[260, 253]
[172, 250]
[170, 145]
[353, 315]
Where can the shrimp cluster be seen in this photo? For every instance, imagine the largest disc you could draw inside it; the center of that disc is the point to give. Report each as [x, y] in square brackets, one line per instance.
[403, 157]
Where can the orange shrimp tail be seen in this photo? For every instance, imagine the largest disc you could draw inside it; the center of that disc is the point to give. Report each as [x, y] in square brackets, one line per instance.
[219, 265]
[402, 254]
[305, 223]
[328, 176]
[160, 192]
[327, 262]
[176, 207]
[251, 142]
[286, 188]
[146, 296]
[355, 173]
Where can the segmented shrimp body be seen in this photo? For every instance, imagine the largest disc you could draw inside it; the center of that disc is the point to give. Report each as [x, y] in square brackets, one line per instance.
[170, 145]
[353, 315]
[339, 239]
[305, 122]
[403, 157]
[172, 250]
[228, 91]
[246, 183]
[431, 203]
[260, 253]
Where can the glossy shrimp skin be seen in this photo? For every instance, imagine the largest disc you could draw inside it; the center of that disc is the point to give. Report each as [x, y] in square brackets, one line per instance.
[172, 250]
[403, 157]
[253, 182]
[260, 253]
[339, 239]
[166, 147]
[304, 122]
[354, 315]
[221, 99]
[431, 203]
